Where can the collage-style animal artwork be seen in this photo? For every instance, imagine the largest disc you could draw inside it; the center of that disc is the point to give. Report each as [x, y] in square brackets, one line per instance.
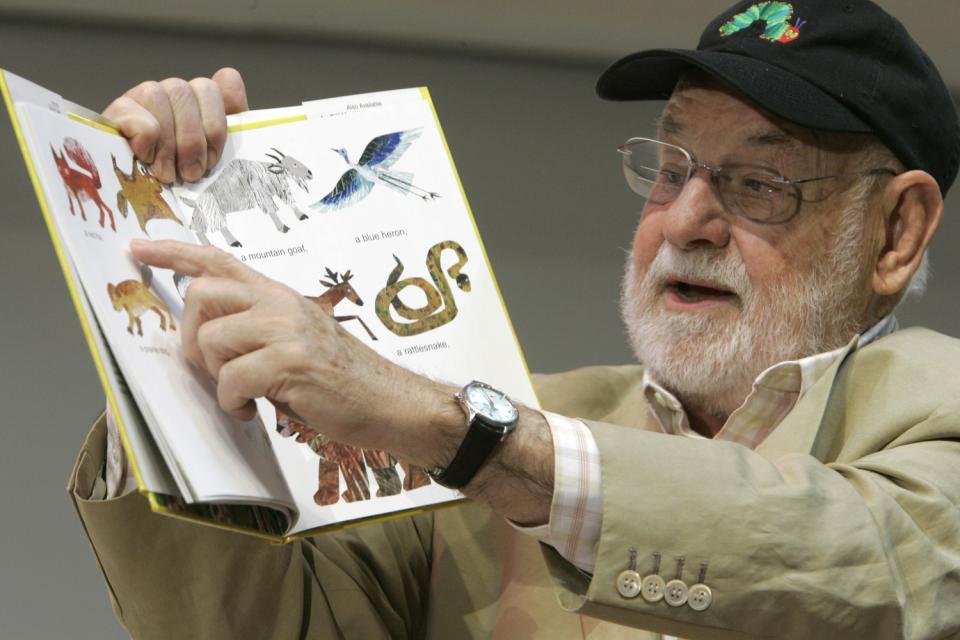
[244, 184]
[374, 167]
[136, 298]
[338, 460]
[268, 185]
[339, 288]
[81, 181]
[440, 308]
[142, 191]
[139, 190]
[350, 463]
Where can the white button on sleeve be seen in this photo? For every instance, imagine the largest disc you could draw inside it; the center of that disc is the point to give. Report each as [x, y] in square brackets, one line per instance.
[628, 583]
[700, 597]
[676, 592]
[652, 588]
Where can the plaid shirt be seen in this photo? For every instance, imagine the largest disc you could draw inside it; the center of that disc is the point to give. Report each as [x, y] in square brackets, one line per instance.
[577, 508]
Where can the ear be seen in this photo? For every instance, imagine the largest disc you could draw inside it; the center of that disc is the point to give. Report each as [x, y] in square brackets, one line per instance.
[913, 208]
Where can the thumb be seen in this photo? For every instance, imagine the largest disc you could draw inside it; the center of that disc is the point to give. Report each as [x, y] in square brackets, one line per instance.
[233, 90]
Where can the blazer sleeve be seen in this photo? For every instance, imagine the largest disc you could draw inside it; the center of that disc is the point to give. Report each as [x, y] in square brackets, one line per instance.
[168, 578]
[792, 547]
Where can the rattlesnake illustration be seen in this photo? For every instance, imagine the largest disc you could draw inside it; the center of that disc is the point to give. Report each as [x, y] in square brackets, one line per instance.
[440, 307]
[775, 16]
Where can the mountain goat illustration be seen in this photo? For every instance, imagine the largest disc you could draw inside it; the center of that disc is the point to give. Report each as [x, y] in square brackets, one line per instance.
[248, 184]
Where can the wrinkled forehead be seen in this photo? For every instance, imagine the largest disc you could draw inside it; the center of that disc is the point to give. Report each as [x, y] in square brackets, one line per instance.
[718, 125]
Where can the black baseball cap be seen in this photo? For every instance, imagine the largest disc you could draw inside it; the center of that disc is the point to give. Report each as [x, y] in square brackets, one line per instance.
[832, 65]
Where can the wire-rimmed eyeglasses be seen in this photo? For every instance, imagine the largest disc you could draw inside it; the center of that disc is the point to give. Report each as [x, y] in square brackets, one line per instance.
[658, 171]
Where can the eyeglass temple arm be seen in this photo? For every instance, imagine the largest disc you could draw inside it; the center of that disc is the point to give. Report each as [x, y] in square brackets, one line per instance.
[870, 172]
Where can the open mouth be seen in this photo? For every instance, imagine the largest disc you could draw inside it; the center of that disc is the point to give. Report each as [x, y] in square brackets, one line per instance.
[688, 291]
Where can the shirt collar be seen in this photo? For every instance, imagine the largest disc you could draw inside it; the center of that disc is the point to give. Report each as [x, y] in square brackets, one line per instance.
[793, 377]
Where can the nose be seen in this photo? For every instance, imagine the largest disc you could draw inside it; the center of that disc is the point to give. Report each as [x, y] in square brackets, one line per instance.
[697, 218]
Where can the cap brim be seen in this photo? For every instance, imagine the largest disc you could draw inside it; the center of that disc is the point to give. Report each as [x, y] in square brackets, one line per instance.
[652, 75]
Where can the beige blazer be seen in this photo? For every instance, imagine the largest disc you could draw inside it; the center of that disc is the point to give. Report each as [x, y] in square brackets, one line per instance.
[844, 523]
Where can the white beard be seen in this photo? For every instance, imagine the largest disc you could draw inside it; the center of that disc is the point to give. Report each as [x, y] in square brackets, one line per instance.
[711, 359]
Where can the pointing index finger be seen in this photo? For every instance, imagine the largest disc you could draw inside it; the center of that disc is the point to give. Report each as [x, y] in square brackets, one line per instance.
[192, 260]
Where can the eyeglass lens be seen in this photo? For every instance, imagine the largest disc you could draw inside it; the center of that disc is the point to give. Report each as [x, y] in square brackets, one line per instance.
[658, 172]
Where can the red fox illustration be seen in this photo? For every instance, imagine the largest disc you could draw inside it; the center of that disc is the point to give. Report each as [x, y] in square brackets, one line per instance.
[84, 184]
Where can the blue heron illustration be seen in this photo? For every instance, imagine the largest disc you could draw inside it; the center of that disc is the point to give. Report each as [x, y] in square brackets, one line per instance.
[374, 166]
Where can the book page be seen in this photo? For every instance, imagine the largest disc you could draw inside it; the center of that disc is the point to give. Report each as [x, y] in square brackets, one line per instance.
[358, 206]
[99, 199]
[146, 463]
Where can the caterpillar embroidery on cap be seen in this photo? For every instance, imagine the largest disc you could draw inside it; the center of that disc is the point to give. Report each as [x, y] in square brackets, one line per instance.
[775, 16]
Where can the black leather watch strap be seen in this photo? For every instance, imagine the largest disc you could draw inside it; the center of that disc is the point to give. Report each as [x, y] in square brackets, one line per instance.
[481, 439]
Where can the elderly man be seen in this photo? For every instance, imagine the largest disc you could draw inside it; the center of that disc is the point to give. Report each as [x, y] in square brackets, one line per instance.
[784, 462]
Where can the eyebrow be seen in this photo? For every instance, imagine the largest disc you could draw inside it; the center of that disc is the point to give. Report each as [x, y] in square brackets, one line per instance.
[668, 125]
[771, 137]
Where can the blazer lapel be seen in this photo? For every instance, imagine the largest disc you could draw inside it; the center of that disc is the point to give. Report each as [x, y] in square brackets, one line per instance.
[632, 410]
[805, 430]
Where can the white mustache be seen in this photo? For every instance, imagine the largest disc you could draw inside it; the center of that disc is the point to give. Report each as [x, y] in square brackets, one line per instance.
[722, 270]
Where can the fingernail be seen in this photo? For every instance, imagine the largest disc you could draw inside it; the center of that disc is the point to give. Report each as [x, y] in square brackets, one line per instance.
[138, 243]
[191, 171]
[161, 169]
[211, 158]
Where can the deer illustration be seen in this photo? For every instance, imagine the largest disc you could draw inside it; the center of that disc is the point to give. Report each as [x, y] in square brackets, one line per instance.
[339, 287]
[84, 184]
[136, 298]
[141, 190]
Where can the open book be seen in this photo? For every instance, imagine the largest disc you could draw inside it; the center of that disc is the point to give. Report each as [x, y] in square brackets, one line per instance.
[354, 202]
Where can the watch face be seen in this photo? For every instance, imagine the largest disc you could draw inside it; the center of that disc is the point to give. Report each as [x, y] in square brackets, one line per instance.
[491, 403]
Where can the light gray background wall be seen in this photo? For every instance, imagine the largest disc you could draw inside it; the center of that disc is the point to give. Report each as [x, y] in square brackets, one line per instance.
[535, 150]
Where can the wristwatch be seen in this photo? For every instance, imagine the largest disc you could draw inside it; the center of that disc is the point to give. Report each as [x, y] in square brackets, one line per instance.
[491, 417]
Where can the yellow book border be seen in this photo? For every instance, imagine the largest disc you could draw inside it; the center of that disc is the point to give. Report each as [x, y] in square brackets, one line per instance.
[248, 126]
[476, 230]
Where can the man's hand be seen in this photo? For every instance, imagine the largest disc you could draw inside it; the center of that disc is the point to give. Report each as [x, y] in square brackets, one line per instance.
[259, 338]
[176, 127]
